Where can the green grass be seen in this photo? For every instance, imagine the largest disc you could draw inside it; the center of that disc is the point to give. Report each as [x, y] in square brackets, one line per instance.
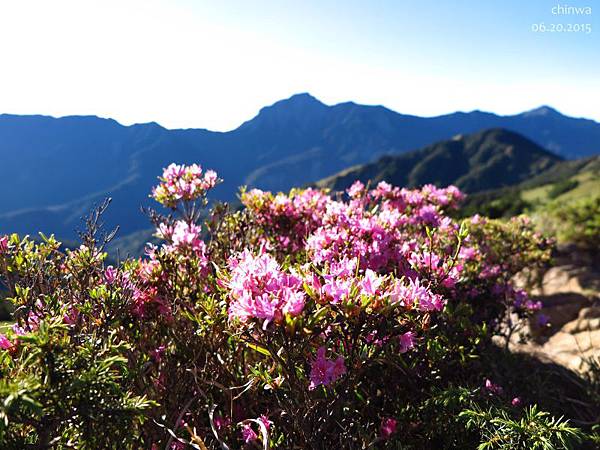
[589, 185]
[4, 326]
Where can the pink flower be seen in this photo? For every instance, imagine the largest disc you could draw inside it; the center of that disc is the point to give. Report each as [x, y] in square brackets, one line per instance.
[222, 422]
[158, 353]
[33, 321]
[18, 330]
[370, 283]
[3, 244]
[5, 343]
[477, 219]
[260, 289]
[388, 427]
[183, 183]
[173, 171]
[265, 421]
[516, 402]
[338, 369]
[428, 215]
[337, 290]
[407, 341]
[293, 302]
[110, 274]
[493, 388]
[325, 371]
[71, 317]
[187, 235]
[248, 434]
[530, 305]
[210, 179]
[164, 231]
[415, 293]
[356, 190]
[320, 370]
[467, 253]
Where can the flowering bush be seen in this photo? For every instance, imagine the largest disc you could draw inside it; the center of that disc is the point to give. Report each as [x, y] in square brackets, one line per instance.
[300, 321]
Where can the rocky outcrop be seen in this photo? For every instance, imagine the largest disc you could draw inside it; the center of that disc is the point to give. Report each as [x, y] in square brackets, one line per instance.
[577, 343]
[570, 295]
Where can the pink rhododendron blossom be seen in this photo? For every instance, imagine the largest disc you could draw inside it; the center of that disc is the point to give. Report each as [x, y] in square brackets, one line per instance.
[467, 253]
[356, 190]
[18, 330]
[71, 317]
[5, 343]
[325, 371]
[146, 300]
[388, 427]
[158, 353]
[265, 421]
[221, 422]
[413, 293]
[210, 180]
[289, 219]
[477, 219]
[164, 231]
[183, 183]
[406, 341]
[187, 235]
[492, 387]
[3, 244]
[110, 274]
[260, 289]
[432, 265]
[33, 321]
[370, 283]
[248, 434]
[516, 402]
[337, 290]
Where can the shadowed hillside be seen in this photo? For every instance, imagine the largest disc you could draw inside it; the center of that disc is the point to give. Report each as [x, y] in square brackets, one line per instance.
[477, 162]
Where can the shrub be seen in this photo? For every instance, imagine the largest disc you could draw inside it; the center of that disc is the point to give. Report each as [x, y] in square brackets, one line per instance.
[562, 186]
[302, 321]
[578, 223]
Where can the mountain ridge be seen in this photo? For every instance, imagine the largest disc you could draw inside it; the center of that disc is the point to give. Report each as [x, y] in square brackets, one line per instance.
[488, 159]
[70, 163]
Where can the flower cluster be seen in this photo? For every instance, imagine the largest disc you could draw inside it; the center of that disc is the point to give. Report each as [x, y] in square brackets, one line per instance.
[3, 244]
[5, 343]
[183, 235]
[260, 289]
[382, 227]
[183, 183]
[307, 320]
[324, 371]
[413, 294]
[288, 219]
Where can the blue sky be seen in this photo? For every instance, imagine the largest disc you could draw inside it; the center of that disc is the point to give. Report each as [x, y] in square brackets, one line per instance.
[191, 63]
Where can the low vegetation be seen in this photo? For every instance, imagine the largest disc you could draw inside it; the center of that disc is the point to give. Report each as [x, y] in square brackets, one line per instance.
[299, 321]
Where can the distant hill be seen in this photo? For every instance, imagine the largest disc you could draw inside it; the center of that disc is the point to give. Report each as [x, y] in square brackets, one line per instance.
[56, 169]
[477, 162]
[565, 183]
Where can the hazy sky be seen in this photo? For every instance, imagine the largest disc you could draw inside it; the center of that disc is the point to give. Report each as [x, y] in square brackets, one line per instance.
[214, 64]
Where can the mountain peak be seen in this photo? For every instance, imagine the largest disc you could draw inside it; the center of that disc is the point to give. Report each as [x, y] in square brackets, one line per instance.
[302, 101]
[542, 111]
[299, 108]
[480, 161]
